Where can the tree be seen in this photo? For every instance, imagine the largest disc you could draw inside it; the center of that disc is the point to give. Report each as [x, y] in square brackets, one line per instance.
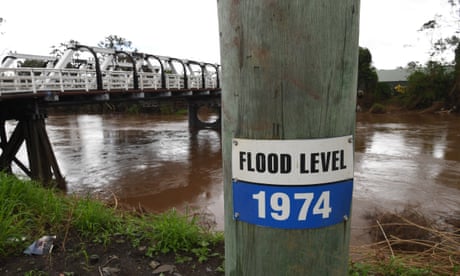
[441, 44]
[370, 90]
[116, 42]
[367, 75]
[427, 85]
[454, 94]
[59, 50]
[34, 63]
[446, 44]
[1, 22]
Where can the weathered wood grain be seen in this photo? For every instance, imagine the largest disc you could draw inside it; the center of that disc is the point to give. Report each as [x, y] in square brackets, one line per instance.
[289, 71]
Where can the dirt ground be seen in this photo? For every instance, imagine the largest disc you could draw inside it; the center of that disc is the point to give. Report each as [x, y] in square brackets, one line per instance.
[118, 258]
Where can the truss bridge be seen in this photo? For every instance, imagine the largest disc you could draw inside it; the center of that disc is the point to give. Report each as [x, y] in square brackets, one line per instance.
[29, 84]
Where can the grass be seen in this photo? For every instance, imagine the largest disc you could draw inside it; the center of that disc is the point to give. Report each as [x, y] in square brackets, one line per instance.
[175, 233]
[29, 211]
[405, 243]
[394, 266]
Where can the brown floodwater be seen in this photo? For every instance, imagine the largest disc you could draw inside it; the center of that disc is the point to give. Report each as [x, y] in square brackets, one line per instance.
[145, 160]
[407, 160]
[157, 163]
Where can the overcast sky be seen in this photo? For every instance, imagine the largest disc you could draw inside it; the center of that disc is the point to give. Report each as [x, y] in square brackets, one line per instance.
[189, 28]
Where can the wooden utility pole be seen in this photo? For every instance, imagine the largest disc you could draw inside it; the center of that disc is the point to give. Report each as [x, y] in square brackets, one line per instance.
[289, 77]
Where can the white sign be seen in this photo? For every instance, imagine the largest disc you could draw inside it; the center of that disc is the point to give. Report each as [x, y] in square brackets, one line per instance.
[293, 162]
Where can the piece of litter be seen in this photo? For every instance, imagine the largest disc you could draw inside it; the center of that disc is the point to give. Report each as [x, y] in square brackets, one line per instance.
[44, 245]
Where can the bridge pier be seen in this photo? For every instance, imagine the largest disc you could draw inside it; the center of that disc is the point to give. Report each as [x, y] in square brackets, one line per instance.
[30, 130]
[195, 122]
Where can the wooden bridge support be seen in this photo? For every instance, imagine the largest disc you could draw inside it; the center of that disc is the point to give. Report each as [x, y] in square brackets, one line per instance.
[30, 130]
[3, 143]
[194, 120]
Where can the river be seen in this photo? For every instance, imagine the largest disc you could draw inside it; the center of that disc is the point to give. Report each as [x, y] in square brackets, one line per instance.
[156, 163]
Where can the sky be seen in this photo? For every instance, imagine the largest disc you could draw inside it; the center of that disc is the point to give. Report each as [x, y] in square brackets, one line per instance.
[188, 29]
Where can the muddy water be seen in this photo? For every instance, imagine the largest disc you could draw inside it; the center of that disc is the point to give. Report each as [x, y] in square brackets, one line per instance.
[407, 160]
[149, 161]
[156, 162]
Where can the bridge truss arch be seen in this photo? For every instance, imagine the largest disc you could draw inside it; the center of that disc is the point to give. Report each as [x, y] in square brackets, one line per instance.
[26, 92]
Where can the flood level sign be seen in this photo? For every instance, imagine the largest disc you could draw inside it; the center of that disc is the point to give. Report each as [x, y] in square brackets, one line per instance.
[292, 184]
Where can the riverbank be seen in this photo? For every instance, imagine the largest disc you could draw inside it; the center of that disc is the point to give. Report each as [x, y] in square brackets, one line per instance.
[88, 237]
[94, 238]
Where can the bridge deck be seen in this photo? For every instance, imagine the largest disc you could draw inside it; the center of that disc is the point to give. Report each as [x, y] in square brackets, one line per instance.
[105, 77]
[52, 86]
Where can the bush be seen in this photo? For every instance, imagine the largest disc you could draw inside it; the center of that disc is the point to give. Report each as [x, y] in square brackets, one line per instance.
[428, 85]
[383, 91]
[378, 109]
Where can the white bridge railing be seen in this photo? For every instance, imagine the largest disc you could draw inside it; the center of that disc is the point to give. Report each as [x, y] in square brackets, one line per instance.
[27, 80]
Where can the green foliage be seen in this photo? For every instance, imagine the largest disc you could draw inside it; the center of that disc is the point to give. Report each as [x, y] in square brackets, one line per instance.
[203, 252]
[94, 220]
[116, 42]
[367, 75]
[383, 92]
[360, 269]
[378, 108]
[33, 63]
[166, 108]
[133, 109]
[454, 95]
[367, 79]
[11, 228]
[59, 50]
[393, 267]
[182, 112]
[27, 211]
[457, 60]
[175, 232]
[35, 272]
[427, 85]
[180, 259]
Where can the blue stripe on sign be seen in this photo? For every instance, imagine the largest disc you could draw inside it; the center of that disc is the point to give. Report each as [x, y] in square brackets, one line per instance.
[292, 207]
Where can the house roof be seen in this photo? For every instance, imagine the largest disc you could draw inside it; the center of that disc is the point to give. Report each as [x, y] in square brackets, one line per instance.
[395, 75]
